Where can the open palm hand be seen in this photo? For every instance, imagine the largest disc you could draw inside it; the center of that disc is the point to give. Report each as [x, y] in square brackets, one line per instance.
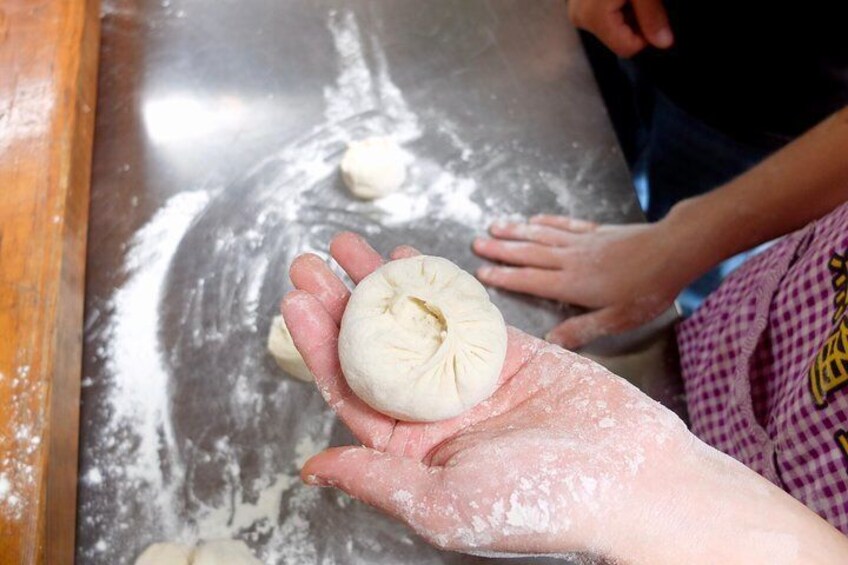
[564, 456]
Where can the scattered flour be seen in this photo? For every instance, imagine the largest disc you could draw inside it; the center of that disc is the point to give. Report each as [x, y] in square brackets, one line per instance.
[526, 516]
[21, 446]
[139, 397]
[606, 423]
[139, 454]
[140, 458]
[225, 521]
[93, 477]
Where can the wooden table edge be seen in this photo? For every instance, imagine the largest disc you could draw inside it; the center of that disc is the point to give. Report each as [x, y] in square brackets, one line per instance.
[47, 339]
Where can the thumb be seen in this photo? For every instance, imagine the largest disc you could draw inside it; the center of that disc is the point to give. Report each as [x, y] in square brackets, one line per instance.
[399, 486]
[578, 331]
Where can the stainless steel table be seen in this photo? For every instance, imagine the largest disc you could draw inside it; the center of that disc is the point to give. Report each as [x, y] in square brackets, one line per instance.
[219, 129]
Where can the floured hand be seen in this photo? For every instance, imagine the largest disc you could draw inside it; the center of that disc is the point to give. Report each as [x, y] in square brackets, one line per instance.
[564, 457]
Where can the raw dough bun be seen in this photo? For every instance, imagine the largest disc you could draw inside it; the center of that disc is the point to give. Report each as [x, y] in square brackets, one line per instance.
[421, 341]
[373, 167]
[165, 554]
[281, 346]
[224, 552]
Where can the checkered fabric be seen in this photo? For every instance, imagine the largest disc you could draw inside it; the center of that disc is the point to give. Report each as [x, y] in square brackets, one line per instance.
[765, 365]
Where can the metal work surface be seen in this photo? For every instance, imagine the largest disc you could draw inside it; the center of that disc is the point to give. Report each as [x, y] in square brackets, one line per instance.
[219, 131]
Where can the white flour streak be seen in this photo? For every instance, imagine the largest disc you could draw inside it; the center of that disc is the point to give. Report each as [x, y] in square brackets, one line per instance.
[225, 521]
[255, 277]
[391, 99]
[448, 196]
[358, 90]
[402, 207]
[140, 396]
[353, 92]
[453, 198]
[137, 453]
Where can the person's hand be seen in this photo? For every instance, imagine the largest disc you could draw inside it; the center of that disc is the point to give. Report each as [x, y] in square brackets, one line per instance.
[625, 26]
[563, 457]
[626, 274]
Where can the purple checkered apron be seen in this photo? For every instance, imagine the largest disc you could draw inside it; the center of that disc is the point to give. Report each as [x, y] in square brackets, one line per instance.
[765, 364]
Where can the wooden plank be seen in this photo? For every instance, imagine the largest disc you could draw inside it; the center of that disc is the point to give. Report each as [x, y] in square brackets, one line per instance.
[48, 66]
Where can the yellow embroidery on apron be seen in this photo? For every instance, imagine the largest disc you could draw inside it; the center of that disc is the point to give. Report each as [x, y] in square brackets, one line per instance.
[829, 371]
[842, 439]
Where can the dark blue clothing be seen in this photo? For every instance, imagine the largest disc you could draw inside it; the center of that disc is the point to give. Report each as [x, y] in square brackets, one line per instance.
[743, 78]
[683, 157]
[760, 71]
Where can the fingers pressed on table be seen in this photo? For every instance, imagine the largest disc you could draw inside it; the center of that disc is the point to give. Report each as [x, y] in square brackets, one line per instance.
[315, 334]
[529, 280]
[354, 255]
[517, 252]
[545, 235]
[564, 223]
[311, 273]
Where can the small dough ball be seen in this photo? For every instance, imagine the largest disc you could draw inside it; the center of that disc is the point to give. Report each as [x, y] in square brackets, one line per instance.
[420, 340]
[373, 167]
[281, 346]
[165, 554]
[224, 552]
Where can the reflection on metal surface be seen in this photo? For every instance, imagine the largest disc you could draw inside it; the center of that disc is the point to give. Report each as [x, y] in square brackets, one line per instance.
[180, 118]
[219, 135]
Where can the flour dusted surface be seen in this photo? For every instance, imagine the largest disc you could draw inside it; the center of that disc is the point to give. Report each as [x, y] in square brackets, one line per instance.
[197, 435]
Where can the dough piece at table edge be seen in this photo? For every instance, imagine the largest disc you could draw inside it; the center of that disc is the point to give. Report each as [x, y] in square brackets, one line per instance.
[166, 553]
[281, 347]
[212, 552]
[224, 552]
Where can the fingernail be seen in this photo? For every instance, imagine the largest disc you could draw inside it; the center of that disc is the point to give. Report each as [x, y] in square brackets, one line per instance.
[312, 480]
[663, 38]
[318, 481]
[484, 272]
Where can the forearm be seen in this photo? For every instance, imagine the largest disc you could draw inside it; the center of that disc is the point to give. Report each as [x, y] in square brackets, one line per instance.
[719, 511]
[802, 182]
